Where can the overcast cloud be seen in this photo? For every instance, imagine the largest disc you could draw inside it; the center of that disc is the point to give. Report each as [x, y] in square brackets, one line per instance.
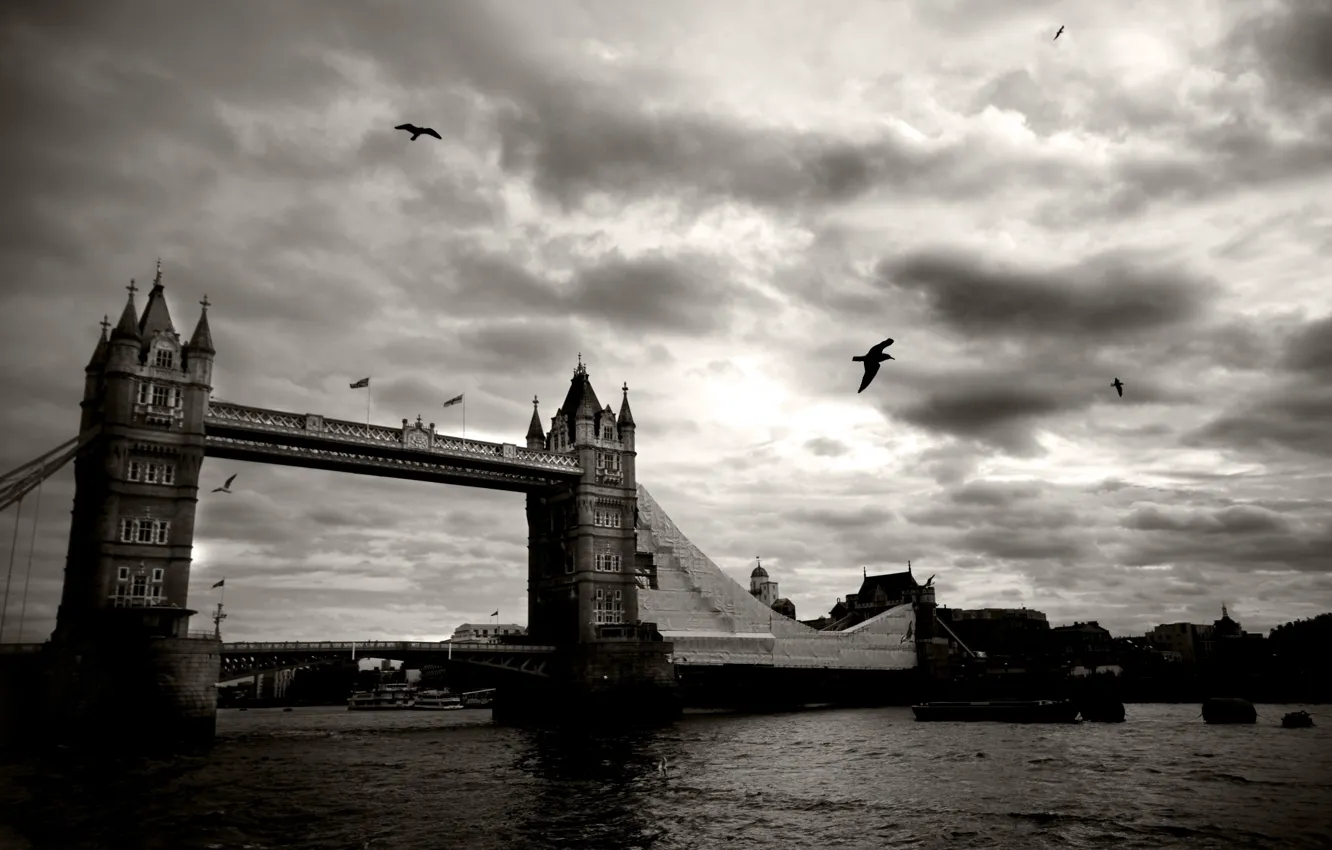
[718, 204]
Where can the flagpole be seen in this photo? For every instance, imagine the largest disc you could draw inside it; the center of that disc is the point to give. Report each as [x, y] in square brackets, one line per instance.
[464, 416]
[368, 394]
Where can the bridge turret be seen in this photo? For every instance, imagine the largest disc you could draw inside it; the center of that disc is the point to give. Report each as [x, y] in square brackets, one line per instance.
[92, 382]
[536, 438]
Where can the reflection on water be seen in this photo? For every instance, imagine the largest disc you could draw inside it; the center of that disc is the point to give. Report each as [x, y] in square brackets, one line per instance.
[329, 778]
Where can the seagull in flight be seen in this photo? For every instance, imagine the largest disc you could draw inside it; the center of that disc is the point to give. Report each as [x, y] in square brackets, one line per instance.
[872, 359]
[1119, 387]
[1061, 32]
[225, 488]
[418, 131]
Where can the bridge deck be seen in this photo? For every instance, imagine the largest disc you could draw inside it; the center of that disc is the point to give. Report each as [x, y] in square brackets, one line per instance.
[414, 451]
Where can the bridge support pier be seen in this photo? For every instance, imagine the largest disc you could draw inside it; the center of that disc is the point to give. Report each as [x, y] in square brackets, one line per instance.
[142, 685]
[622, 683]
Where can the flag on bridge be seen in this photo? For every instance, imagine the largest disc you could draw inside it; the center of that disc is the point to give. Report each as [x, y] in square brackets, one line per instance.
[364, 382]
[496, 614]
[220, 583]
[455, 400]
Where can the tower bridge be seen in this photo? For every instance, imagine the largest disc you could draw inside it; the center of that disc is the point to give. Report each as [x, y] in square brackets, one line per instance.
[624, 612]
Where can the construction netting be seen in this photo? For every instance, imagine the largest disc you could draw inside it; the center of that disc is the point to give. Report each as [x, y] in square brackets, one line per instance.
[713, 619]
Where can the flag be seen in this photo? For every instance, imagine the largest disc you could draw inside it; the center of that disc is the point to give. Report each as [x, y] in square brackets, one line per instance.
[220, 583]
[451, 402]
[496, 614]
[364, 382]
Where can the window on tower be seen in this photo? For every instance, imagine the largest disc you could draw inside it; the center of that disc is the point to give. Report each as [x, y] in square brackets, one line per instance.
[606, 518]
[607, 563]
[149, 472]
[149, 531]
[164, 359]
[161, 396]
[608, 607]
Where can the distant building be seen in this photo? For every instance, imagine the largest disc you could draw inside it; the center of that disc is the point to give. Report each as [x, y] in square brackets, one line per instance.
[1084, 643]
[998, 631]
[877, 594]
[486, 631]
[1191, 643]
[765, 590]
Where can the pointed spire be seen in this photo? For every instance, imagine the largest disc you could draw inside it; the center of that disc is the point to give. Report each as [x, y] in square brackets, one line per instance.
[202, 340]
[534, 431]
[128, 326]
[156, 317]
[626, 418]
[100, 352]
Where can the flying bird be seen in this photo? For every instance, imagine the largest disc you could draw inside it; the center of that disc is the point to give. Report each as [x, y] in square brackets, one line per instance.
[1119, 387]
[872, 359]
[418, 131]
[226, 488]
[1061, 32]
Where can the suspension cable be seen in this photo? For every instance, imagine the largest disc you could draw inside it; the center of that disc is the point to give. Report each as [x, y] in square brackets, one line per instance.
[32, 546]
[9, 580]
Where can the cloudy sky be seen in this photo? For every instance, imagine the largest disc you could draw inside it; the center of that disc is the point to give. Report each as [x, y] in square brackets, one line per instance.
[718, 203]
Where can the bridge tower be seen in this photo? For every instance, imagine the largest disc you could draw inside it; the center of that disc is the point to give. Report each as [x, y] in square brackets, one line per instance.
[582, 585]
[121, 651]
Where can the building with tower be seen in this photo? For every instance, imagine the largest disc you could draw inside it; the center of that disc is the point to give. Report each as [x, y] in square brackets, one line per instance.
[147, 393]
[582, 544]
[764, 590]
[122, 647]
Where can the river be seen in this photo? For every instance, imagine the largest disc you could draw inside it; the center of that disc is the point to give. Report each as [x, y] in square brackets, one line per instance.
[327, 778]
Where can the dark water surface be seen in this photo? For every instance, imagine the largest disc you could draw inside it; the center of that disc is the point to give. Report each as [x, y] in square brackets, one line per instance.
[868, 778]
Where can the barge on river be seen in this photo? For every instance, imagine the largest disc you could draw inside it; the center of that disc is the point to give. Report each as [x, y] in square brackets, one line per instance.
[1003, 711]
[382, 698]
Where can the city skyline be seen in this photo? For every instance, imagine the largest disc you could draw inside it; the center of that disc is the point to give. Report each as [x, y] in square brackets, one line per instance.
[718, 206]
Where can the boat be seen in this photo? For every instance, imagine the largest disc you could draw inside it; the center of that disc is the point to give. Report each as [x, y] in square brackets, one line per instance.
[1229, 710]
[479, 699]
[999, 711]
[437, 701]
[384, 697]
[1297, 720]
[1102, 710]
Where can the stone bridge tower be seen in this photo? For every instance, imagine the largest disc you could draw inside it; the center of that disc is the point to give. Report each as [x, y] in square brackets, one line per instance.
[582, 583]
[121, 647]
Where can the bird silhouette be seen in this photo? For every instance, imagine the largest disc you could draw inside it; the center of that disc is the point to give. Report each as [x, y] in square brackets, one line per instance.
[418, 131]
[1061, 32]
[1119, 387]
[226, 488]
[872, 359]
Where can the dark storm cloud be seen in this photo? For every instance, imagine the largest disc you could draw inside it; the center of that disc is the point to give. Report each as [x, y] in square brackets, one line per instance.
[994, 493]
[688, 294]
[1023, 545]
[1235, 519]
[1017, 91]
[1104, 296]
[1291, 44]
[978, 409]
[826, 447]
[868, 516]
[1241, 538]
[1293, 409]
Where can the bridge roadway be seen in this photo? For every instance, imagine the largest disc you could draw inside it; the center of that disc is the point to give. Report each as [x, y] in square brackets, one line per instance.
[248, 658]
[414, 451]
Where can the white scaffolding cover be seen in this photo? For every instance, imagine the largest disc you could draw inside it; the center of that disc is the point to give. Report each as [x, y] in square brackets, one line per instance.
[712, 619]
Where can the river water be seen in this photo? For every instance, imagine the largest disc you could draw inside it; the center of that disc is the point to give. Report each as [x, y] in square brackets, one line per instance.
[327, 778]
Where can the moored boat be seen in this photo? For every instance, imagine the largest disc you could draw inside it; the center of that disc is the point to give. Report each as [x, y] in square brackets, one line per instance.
[999, 711]
[479, 699]
[384, 697]
[1229, 710]
[437, 701]
[1297, 720]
